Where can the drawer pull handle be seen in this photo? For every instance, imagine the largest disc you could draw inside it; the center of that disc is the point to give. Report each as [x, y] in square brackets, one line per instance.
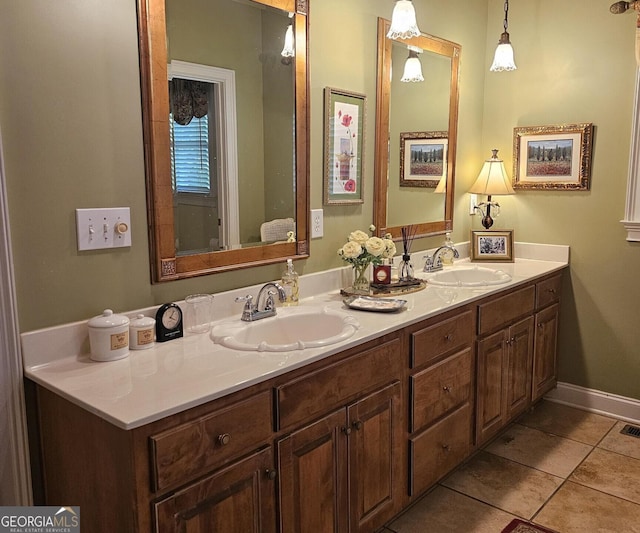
[271, 474]
[448, 337]
[224, 439]
[446, 388]
[552, 291]
[540, 325]
[346, 430]
[446, 447]
[357, 425]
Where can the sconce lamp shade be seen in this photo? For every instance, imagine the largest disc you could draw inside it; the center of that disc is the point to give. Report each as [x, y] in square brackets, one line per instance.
[493, 178]
[503, 58]
[289, 49]
[403, 21]
[412, 67]
[441, 188]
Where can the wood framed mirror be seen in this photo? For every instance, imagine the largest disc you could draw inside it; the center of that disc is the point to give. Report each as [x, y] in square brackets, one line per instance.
[255, 167]
[419, 121]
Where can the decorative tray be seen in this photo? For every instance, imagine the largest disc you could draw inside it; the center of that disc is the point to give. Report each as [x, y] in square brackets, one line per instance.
[368, 303]
[392, 289]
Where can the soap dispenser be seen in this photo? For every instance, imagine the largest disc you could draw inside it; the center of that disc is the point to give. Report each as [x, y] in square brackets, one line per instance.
[290, 285]
[447, 254]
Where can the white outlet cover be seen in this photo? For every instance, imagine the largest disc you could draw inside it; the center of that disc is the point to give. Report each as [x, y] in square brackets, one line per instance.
[317, 223]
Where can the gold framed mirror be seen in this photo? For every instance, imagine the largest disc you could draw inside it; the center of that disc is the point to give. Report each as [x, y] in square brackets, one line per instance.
[253, 178]
[413, 119]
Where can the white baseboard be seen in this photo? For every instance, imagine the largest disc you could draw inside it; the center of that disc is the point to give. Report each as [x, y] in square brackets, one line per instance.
[594, 401]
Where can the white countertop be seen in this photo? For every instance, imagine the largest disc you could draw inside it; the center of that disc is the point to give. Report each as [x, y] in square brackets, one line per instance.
[183, 373]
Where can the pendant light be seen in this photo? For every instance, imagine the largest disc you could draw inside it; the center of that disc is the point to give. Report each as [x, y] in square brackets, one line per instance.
[503, 59]
[412, 66]
[403, 21]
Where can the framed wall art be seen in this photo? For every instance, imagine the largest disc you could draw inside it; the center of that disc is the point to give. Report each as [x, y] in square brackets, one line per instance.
[344, 146]
[552, 157]
[423, 158]
[492, 246]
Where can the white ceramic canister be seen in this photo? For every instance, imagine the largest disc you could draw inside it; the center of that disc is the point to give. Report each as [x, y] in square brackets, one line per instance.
[141, 332]
[109, 336]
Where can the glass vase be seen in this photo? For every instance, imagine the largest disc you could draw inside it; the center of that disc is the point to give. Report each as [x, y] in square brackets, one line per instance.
[361, 279]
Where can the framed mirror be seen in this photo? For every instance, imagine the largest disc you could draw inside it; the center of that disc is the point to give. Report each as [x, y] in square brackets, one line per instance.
[416, 135]
[225, 122]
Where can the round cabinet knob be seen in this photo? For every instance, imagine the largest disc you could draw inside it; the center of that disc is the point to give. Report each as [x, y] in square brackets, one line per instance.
[271, 474]
[448, 337]
[224, 439]
[346, 430]
[446, 388]
[357, 425]
[121, 228]
[446, 447]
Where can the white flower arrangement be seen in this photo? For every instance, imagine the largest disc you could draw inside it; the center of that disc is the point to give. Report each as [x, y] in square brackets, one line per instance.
[361, 249]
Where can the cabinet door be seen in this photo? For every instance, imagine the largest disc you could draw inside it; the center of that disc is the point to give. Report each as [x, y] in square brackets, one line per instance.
[544, 360]
[490, 410]
[313, 477]
[375, 459]
[519, 356]
[240, 497]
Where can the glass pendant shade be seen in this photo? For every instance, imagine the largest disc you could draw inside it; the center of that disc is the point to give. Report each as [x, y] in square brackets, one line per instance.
[412, 68]
[403, 21]
[493, 178]
[288, 50]
[503, 58]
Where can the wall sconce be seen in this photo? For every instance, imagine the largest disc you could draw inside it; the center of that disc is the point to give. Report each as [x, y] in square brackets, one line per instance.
[288, 51]
[412, 66]
[403, 21]
[503, 58]
[492, 179]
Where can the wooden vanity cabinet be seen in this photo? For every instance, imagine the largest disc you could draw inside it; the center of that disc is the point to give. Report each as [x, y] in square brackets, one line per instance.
[344, 471]
[441, 384]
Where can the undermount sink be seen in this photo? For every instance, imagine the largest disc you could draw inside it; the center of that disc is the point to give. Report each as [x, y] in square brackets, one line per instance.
[290, 329]
[468, 277]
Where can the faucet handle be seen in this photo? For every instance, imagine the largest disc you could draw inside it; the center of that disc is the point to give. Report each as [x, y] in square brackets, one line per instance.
[428, 264]
[248, 299]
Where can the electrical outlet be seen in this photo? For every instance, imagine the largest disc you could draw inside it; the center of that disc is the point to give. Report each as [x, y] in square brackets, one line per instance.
[317, 223]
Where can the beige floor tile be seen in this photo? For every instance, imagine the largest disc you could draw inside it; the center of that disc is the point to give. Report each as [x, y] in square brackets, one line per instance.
[578, 509]
[555, 455]
[624, 444]
[569, 422]
[444, 510]
[510, 486]
[610, 472]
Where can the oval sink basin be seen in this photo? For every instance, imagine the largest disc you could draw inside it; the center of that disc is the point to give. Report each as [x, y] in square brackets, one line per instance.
[290, 329]
[468, 277]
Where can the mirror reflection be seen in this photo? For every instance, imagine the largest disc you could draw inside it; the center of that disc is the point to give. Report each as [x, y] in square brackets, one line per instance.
[226, 134]
[416, 133]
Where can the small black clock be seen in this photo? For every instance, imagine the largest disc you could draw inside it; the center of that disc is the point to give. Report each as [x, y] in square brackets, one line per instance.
[168, 322]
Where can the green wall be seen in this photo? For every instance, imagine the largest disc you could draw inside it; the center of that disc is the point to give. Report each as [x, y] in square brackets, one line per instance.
[72, 136]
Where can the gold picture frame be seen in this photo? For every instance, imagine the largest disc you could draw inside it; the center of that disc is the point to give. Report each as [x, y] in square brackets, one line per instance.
[492, 246]
[553, 157]
[423, 158]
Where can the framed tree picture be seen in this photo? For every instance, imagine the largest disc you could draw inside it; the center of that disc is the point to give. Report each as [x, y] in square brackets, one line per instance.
[344, 146]
[423, 158]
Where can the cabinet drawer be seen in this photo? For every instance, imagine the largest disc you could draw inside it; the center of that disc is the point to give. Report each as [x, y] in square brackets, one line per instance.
[200, 445]
[548, 291]
[440, 389]
[430, 343]
[506, 309]
[313, 394]
[439, 449]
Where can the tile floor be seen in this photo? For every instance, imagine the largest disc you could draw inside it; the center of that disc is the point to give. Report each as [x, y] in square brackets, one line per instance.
[563, 468]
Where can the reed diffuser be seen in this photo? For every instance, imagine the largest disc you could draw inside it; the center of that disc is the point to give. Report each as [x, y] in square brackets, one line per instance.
[406, 269]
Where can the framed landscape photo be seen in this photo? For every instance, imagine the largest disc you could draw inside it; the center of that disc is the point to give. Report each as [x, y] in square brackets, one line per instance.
[344, 145]
[423, 158]
[552, 157]
[492, 246]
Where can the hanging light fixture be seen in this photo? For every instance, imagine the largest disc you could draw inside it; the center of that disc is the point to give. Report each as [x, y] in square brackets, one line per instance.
[288, 51]
[493, 179]
[403, 21]
[412, 66]
[503, 58]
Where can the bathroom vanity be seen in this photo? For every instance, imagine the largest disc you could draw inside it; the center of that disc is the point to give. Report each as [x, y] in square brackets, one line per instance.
[197, 437]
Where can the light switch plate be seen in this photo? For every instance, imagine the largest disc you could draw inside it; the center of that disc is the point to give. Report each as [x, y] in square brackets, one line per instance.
[103, 228]
[317, 223]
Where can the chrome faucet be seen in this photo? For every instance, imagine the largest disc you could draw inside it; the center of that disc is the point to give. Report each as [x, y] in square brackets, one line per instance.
[265, 304]
[434, 263]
